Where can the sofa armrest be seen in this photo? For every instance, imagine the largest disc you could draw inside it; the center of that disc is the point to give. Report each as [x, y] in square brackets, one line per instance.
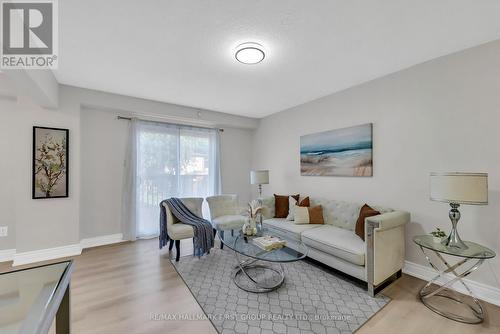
[388, 220]
[385, 246]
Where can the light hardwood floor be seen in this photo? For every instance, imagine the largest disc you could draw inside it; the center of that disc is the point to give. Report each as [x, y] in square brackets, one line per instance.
[116, 289]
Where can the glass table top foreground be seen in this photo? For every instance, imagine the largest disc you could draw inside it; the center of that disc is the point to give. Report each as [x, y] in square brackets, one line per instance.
[293, 251]
[475, 251]
[25, 296]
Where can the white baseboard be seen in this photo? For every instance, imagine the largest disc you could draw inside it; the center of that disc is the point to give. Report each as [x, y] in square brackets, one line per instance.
[7, 255]
[101, 240]
[58, 252]
[482, 291]
[46, 254]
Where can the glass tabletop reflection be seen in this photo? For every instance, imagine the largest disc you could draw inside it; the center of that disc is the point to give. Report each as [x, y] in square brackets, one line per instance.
[293, 251]
[25, 296]
[475, 251]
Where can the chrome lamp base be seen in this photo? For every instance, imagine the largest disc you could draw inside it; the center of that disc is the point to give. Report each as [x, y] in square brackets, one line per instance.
[454, 240]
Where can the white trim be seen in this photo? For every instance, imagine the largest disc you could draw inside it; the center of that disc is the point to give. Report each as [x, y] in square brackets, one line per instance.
[101, 240]
[58, 252]
[482, 291]
[7, 255]
[46, 254]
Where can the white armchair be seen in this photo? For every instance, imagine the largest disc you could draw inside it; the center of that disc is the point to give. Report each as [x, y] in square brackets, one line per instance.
[225, 213]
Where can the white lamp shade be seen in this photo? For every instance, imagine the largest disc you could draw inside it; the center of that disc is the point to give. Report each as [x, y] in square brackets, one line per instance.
[460, 188]
[259, 177]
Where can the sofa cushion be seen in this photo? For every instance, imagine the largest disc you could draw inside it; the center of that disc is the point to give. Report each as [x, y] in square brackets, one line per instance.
[339, 213]
[287, 228]
[305, 202]
[229, 222]
[336, 241]
[292, 202]
[304, 215]
[281, 205]
[180, 231]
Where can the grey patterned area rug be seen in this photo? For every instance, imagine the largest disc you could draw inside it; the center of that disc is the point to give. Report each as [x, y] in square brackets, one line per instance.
[311, 300]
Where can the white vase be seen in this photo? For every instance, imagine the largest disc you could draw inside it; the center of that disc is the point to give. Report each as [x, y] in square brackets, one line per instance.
[252, 222]
[253, 226]
[247, 227]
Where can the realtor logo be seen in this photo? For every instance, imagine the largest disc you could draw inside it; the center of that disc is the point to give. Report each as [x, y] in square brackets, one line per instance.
[29, 34]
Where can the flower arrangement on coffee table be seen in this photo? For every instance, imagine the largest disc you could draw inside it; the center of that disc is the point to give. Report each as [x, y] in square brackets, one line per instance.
[253, 210]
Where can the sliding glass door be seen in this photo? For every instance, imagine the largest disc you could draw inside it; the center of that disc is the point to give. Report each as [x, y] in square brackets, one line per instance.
[172, 161]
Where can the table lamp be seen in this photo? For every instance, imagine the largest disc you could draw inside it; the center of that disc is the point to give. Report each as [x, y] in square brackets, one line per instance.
[259, 177]
[458, 188]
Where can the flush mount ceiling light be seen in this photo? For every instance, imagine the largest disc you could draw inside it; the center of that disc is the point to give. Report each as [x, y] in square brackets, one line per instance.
[249, 53]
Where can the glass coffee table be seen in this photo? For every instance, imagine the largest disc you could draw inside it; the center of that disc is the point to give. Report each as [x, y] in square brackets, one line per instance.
[258, 270]
[468, 261]
[30, 299]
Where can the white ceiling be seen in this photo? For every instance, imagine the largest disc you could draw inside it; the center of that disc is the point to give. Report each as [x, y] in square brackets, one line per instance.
[182, 51]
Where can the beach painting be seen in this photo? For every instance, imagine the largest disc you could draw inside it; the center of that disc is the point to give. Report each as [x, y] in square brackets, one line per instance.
[340, 152]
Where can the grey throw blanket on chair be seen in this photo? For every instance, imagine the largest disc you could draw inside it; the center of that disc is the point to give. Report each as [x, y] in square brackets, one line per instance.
[203, 231]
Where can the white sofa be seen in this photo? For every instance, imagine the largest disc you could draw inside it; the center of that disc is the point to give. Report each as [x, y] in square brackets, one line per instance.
[375, 260]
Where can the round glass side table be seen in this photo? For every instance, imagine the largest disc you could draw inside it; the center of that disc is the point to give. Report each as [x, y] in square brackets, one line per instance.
[468, 261]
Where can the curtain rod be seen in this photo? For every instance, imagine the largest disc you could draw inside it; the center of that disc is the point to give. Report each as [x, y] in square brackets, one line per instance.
[192, 126]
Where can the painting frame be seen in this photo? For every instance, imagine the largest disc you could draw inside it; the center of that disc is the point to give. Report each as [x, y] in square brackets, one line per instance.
[342, 152]
[35, 191]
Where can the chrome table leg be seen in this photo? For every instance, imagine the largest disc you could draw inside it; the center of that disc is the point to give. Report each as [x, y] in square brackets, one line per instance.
[243, 268]
[426, 293]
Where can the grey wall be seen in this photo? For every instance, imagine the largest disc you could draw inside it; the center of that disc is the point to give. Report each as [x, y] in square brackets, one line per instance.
[8, 110]
[97, 142]
[36, 224]
[103, 146]
[104, 142]
[236, 162]
[442, 115]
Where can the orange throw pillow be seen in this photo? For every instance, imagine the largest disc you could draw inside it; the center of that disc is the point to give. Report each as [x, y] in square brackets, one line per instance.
[281, 205]
[365, 212]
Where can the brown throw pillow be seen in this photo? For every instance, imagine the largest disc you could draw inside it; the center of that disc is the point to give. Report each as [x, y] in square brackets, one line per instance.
[316, 215]
[305, 202]
[281, 205]
[305, 215]
[365, 212]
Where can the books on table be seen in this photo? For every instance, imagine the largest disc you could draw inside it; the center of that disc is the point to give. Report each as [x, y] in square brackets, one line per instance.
[269, 243]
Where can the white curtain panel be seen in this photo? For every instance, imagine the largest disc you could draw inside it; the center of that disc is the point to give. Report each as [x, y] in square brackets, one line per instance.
[167, 160]
[129, 215]
[215, 146]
